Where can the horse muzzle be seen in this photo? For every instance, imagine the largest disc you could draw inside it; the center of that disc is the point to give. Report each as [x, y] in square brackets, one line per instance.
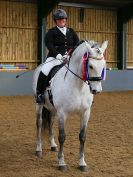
[94, 92]
[95, 87]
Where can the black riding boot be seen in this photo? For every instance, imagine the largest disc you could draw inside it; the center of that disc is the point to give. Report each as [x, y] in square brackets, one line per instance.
[41, 86]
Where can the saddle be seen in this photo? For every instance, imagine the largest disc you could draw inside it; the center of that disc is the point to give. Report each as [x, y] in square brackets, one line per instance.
[53, 71]
[51, 74]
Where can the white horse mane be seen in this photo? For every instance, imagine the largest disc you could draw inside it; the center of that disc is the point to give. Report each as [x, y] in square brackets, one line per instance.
[82, 46]
[79, 48]
[93, 44]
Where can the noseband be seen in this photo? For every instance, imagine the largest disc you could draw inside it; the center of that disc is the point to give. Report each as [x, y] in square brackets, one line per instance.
[94, 78]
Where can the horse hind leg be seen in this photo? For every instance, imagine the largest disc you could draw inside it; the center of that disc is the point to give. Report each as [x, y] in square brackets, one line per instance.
[61, 138]
[82, 138]
[38, 132]
[48, 121]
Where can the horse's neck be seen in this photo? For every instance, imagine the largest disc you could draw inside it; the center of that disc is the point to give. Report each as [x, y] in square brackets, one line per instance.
[76, 67]
[76, 59]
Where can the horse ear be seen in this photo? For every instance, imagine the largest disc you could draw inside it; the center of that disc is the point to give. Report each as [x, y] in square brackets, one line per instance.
[104, 45]
[89, 47]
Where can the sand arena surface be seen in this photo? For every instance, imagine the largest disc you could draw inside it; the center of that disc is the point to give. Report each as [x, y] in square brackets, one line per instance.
[108, 149]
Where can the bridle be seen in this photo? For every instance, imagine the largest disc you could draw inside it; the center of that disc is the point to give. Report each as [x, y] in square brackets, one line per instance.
[87, 81]
[95, 78]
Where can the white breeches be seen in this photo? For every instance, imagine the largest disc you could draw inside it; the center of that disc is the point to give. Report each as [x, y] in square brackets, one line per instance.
[49, 64]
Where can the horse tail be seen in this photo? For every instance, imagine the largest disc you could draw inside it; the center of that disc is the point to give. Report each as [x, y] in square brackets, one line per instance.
[46, 118]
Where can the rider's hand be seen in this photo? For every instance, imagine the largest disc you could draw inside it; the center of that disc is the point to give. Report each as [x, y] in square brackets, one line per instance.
[65, 55]
[59, 57]
[65, 58]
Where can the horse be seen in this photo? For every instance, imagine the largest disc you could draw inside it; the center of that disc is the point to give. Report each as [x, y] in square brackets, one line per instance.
[72, 89]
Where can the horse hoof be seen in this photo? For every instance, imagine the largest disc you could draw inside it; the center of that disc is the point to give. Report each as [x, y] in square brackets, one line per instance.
[38, 154]
[55, 149]
[63, 168]
[83, 168]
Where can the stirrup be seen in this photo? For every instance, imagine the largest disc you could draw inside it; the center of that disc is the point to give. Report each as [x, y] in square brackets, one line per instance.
[40, 98]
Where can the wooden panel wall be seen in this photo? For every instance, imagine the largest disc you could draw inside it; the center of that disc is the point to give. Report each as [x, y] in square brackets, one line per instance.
[18, 33]
[97, 24]
[129, 53]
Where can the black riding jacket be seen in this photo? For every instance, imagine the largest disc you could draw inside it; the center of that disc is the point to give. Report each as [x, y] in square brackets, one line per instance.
[57, 42]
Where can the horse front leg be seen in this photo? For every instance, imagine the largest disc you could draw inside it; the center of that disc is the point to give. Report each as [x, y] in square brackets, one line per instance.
[38, 132]
[82, 138]
[51, 133]
[61, 138]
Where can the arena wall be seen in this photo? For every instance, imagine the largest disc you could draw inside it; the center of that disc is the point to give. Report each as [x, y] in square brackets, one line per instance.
[117, 80]
[18, 33]
[19, 42]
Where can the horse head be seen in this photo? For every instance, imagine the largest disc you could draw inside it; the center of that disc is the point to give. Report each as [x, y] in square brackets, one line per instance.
[96, 66]
[88, 64]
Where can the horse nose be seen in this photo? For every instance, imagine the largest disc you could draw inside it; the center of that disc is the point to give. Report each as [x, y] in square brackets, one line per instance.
[94, 91]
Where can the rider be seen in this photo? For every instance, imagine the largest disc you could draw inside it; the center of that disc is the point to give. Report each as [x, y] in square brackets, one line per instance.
[58, 40]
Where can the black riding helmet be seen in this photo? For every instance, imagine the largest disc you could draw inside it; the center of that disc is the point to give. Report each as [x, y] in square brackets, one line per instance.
[59, 14]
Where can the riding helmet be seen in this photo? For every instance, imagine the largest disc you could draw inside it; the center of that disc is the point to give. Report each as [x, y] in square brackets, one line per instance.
[59, 14]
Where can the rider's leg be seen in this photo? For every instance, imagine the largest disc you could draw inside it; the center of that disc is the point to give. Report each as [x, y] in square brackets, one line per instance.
[41, 86]
[44, 76]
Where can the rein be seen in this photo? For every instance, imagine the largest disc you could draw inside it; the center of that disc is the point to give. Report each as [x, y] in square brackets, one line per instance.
[68, 69]
[89, 78]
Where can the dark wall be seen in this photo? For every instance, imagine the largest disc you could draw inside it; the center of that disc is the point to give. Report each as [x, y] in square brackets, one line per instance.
[44, 8]
[124, 14]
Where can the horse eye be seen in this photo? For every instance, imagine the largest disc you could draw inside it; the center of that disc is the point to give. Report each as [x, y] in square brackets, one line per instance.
[98, 51]
[91, 67]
